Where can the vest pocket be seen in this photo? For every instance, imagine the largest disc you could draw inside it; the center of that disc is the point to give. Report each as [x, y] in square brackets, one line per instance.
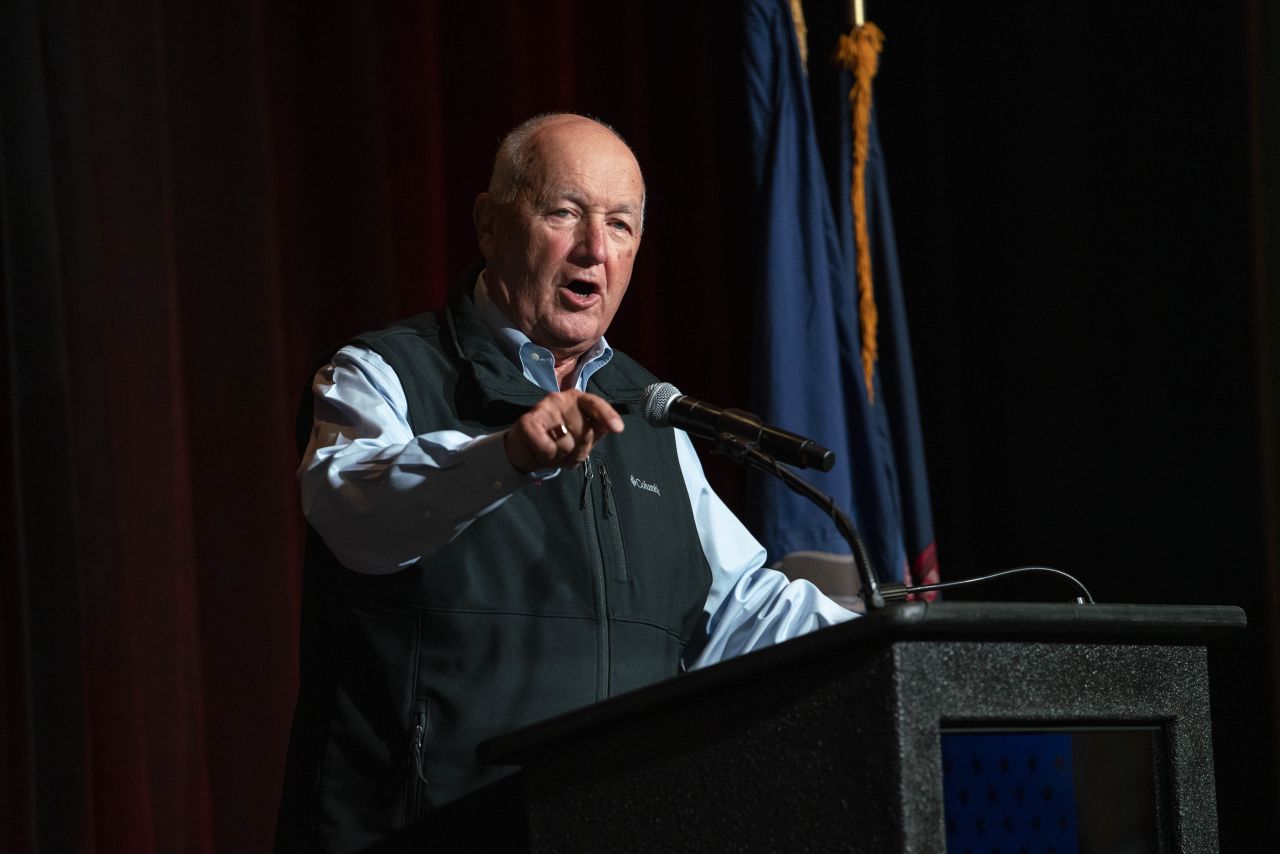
[416, 778]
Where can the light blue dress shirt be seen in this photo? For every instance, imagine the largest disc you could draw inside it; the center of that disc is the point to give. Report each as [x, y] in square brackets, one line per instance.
[382, 497]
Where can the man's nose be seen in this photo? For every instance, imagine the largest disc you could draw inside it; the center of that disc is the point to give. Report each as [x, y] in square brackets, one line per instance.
[592, 244]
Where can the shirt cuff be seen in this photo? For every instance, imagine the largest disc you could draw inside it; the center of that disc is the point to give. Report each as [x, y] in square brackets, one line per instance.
[489, 455]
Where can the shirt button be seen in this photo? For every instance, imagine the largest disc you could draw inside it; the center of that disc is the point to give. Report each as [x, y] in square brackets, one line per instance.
[426, 514]
[497, 485]
[534, 356]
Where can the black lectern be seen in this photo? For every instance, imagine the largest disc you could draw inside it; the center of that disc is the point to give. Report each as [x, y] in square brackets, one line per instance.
[834, 741]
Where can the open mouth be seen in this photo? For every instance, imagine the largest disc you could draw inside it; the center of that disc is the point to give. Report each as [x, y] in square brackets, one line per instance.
[579, 293]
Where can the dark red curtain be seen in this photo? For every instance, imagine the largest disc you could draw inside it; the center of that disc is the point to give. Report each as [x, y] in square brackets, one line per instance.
[246, 185]
[201, 201]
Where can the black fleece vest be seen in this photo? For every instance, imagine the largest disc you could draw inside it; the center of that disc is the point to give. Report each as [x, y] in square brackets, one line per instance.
[576, 588]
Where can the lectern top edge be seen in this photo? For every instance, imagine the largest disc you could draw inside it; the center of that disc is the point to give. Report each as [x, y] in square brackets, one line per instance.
[995, 622]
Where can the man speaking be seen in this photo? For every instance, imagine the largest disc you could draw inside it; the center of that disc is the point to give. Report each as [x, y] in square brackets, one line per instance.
[497, 537]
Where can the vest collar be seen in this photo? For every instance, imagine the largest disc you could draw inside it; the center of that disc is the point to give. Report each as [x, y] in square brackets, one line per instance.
[498, 378]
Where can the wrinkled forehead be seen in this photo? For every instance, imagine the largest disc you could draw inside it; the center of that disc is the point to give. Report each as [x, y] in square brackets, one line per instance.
[583, 156]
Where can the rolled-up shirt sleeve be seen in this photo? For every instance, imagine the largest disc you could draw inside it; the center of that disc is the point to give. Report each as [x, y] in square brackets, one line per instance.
[749, 605]
[380, 496]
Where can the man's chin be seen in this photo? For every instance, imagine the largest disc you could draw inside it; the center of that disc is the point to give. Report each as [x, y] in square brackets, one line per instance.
[570, 340]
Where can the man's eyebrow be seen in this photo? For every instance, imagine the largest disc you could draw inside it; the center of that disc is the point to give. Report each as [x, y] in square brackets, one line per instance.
[553, 195]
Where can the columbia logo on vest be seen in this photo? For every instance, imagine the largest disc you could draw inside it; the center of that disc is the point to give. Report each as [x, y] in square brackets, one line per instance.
[640, 484]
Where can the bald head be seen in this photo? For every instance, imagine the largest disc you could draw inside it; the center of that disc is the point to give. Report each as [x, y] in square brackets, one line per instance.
[524, 148]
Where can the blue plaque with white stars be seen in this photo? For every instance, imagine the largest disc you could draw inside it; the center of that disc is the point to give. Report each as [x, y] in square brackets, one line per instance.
[1009, 793]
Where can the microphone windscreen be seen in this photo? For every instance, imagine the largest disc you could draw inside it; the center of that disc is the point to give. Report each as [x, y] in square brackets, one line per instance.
[656, 402]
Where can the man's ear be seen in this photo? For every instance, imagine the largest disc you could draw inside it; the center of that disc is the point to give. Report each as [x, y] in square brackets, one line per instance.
[482, 214]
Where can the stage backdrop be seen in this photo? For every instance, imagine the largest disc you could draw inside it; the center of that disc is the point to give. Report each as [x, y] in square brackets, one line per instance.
[200, 201]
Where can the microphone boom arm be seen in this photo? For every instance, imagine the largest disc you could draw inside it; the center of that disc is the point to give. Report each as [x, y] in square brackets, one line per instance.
[874, 593]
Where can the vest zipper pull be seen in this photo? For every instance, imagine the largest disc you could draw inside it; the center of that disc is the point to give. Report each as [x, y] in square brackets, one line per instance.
[418, 733]
[586, 482]
[417, 741]
[604, 479]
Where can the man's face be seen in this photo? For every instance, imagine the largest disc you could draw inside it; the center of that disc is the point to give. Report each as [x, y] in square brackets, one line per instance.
[558, 258]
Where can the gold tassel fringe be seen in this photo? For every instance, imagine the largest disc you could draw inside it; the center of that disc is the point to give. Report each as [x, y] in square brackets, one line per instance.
[802, 32]
[860, 53]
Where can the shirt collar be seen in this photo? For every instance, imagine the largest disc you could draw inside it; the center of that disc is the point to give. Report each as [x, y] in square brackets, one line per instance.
[537, 362]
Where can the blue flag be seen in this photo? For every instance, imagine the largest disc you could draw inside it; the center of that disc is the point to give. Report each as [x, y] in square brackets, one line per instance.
[807, 369]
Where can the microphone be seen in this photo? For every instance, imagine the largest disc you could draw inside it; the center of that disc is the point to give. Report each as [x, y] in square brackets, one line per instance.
[665, 406]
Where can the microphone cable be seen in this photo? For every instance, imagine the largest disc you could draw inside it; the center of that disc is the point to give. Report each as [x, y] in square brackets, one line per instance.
[1087, 598]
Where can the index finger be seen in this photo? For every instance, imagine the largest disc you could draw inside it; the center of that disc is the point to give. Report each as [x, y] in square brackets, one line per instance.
[599, 410]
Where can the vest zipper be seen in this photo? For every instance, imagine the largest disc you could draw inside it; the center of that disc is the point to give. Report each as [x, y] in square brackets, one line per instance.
[586, 483]
[596, 557]
[604, 491]
[417, 758]
[615, 553]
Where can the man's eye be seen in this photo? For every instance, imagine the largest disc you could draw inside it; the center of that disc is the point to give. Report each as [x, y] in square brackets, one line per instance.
[620, 225]
[562, 213]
